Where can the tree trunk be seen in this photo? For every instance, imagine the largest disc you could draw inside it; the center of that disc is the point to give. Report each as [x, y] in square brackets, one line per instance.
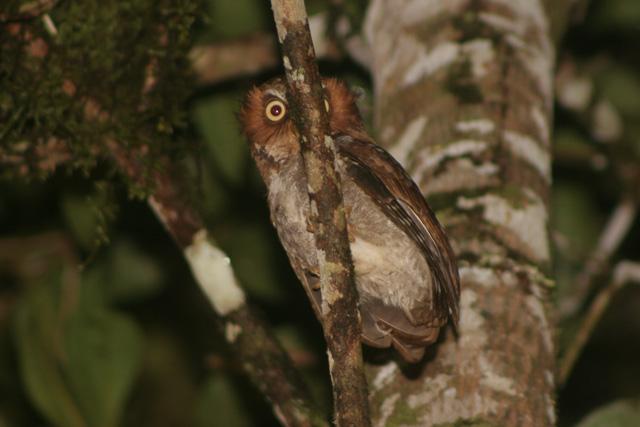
[464, 95]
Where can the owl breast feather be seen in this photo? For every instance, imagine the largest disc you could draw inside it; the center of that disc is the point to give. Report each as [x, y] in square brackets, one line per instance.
[388, 265]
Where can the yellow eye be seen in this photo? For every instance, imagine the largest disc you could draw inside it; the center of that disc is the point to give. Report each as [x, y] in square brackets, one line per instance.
[275, 110]
[326, 105]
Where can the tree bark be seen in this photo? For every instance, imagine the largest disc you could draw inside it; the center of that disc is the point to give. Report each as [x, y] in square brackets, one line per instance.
[464, 98]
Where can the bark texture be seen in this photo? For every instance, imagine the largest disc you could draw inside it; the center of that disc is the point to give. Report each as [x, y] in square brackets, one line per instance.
[340, 317]
[464, 100]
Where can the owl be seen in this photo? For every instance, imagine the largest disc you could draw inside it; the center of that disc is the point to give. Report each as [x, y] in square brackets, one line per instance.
[405, 270]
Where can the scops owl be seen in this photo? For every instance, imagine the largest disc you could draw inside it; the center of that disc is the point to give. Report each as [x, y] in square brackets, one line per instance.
[405, 269]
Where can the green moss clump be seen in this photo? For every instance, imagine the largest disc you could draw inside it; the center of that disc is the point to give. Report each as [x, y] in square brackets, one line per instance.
[113, 70]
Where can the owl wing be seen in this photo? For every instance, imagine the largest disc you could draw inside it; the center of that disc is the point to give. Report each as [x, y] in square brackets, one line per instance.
[387, 183]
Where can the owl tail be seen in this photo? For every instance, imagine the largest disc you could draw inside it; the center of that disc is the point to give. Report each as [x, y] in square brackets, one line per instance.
[385, 326]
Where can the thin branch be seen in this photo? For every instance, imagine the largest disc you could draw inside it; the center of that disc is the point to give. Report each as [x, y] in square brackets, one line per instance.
[341, 319]
[30, 10]
[612, 235]
[576, 91]
[217, 62]
[624, 272]
[220, 61]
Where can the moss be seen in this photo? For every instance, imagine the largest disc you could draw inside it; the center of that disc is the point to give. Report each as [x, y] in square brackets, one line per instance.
[471, 422]
[90, 81]
[403, 415]
[514, 195]
[445, 202]
[471, 27]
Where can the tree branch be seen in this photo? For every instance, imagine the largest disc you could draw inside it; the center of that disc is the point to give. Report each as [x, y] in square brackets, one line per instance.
[263, 359]
[577, 93]
[340, 316]
[612, 235]
[216, 62]
[30, 10]
[624, 272]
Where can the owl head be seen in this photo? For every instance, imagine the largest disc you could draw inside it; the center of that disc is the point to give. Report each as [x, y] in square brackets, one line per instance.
[267, 123]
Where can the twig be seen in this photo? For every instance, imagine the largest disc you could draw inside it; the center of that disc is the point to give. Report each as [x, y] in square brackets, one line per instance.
[216, 62]
[612, 235]
[30, 10]
[340, 316]
[576, 91]
[624, 272]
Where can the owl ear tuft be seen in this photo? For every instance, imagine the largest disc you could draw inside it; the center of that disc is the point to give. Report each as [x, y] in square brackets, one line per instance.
[250, 111]
[344, 116]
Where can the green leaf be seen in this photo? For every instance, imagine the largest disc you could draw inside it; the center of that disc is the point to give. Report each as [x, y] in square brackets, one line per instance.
[78, 359]
[212, 197]
[37, 329]
[576, 219]
[620, 85]
[252, 249]
[167, 381]
[616, 15]
[89, 215]
[567, 139]
[221, 403]
[633, 131]
[622, 413]
[122, 273]
[133, 273]
[103, 351]
[575, 215]
[80, 217]
[238, 17]
[216, 121]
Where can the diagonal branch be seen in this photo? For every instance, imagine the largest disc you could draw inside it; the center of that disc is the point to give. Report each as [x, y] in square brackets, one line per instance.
[263, 359]
[612, 235]
[340, 316]
[624, 272]
[219, 61]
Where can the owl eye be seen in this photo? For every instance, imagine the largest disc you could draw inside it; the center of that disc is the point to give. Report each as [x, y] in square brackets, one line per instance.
[275, 110]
